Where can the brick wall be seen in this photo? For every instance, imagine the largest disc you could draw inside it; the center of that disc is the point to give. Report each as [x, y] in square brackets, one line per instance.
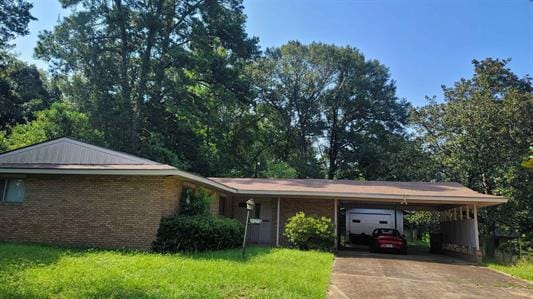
[114, 211]
[90, 211]
[290, 206]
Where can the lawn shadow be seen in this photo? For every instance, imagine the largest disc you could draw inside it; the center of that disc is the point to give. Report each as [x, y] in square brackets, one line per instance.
[16, 258]
[22, 256]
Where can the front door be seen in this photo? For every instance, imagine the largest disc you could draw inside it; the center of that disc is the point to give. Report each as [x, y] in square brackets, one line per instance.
[262, 233]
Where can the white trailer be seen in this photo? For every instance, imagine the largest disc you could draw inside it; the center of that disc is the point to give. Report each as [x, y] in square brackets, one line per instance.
[360, 223]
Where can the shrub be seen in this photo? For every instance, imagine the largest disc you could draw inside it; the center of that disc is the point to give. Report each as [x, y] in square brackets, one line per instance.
[310, 232]
[513, 246]
[195, 228]
[197, 233]
[195, 203]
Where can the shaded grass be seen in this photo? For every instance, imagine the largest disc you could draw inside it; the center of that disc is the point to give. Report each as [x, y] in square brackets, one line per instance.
[30, 271]
[522, 269]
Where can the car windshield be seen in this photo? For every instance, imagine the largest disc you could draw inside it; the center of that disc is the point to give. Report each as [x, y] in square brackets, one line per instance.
[386, 232]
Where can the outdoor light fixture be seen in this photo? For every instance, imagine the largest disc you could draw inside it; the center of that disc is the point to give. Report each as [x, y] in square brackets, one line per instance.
[250, 204]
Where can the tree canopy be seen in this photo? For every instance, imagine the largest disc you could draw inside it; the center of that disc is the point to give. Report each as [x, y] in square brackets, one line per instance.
[155, 73]
[15, 16]
[479, 135]
[330, 108]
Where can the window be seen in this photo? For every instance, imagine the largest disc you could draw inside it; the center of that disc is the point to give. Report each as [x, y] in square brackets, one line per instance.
[12, 190]
[186, 195]
[3, 183]
[257, 211]
[385, 231]
[221, 205]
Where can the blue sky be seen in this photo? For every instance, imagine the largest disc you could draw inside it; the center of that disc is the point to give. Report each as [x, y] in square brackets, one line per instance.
[424, 43]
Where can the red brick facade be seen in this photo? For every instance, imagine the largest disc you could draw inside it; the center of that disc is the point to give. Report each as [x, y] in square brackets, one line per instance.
[90, 211]
[290, 206]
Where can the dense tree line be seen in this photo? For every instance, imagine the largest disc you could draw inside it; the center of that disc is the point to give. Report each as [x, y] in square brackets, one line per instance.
[182, 83]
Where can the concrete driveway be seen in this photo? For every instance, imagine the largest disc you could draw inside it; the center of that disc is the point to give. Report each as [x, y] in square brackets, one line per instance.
[359, 274]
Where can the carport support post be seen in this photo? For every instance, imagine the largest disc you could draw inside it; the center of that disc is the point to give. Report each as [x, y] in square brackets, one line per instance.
[277, 222]
[336, 219]
[476, 231]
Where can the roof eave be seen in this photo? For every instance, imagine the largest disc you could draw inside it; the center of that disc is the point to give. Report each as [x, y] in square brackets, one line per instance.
[482, 201]
[141, 172]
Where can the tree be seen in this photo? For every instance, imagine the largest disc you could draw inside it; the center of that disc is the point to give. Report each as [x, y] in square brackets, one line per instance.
[364, 119]
[279, 170]
[163, 69]
[15, 16]
[329, 101]
[422, 222]
[479, 136]
[528, 161]
[23, 91]
[61, 120]
[291, 81]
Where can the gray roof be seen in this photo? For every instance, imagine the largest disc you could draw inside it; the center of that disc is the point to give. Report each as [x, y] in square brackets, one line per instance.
[66, 152]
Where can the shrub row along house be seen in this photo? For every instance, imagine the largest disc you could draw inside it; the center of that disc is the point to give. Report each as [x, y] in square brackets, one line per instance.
[71, 193]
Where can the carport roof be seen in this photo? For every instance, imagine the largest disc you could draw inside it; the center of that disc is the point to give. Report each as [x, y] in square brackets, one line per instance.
[438, 192]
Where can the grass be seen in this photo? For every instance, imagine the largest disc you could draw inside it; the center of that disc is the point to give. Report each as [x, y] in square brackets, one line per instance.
[522, 269]
[30, 271]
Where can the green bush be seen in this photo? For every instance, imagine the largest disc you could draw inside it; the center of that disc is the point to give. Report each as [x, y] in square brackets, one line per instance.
[195, 202]
[197, 233]
[310, 232]
[195, 228]
[513, 246]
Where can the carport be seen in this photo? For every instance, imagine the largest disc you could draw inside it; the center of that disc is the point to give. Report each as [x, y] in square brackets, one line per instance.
[281, 199]
[456, 205]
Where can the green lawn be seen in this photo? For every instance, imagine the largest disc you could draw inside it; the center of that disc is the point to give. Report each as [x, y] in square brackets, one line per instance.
[30, 271]
[523, 269]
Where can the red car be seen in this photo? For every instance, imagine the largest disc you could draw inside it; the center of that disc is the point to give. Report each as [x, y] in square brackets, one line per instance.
[387, 239]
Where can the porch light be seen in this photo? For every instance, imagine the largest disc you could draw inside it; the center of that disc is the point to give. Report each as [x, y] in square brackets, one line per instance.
[250, 204]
